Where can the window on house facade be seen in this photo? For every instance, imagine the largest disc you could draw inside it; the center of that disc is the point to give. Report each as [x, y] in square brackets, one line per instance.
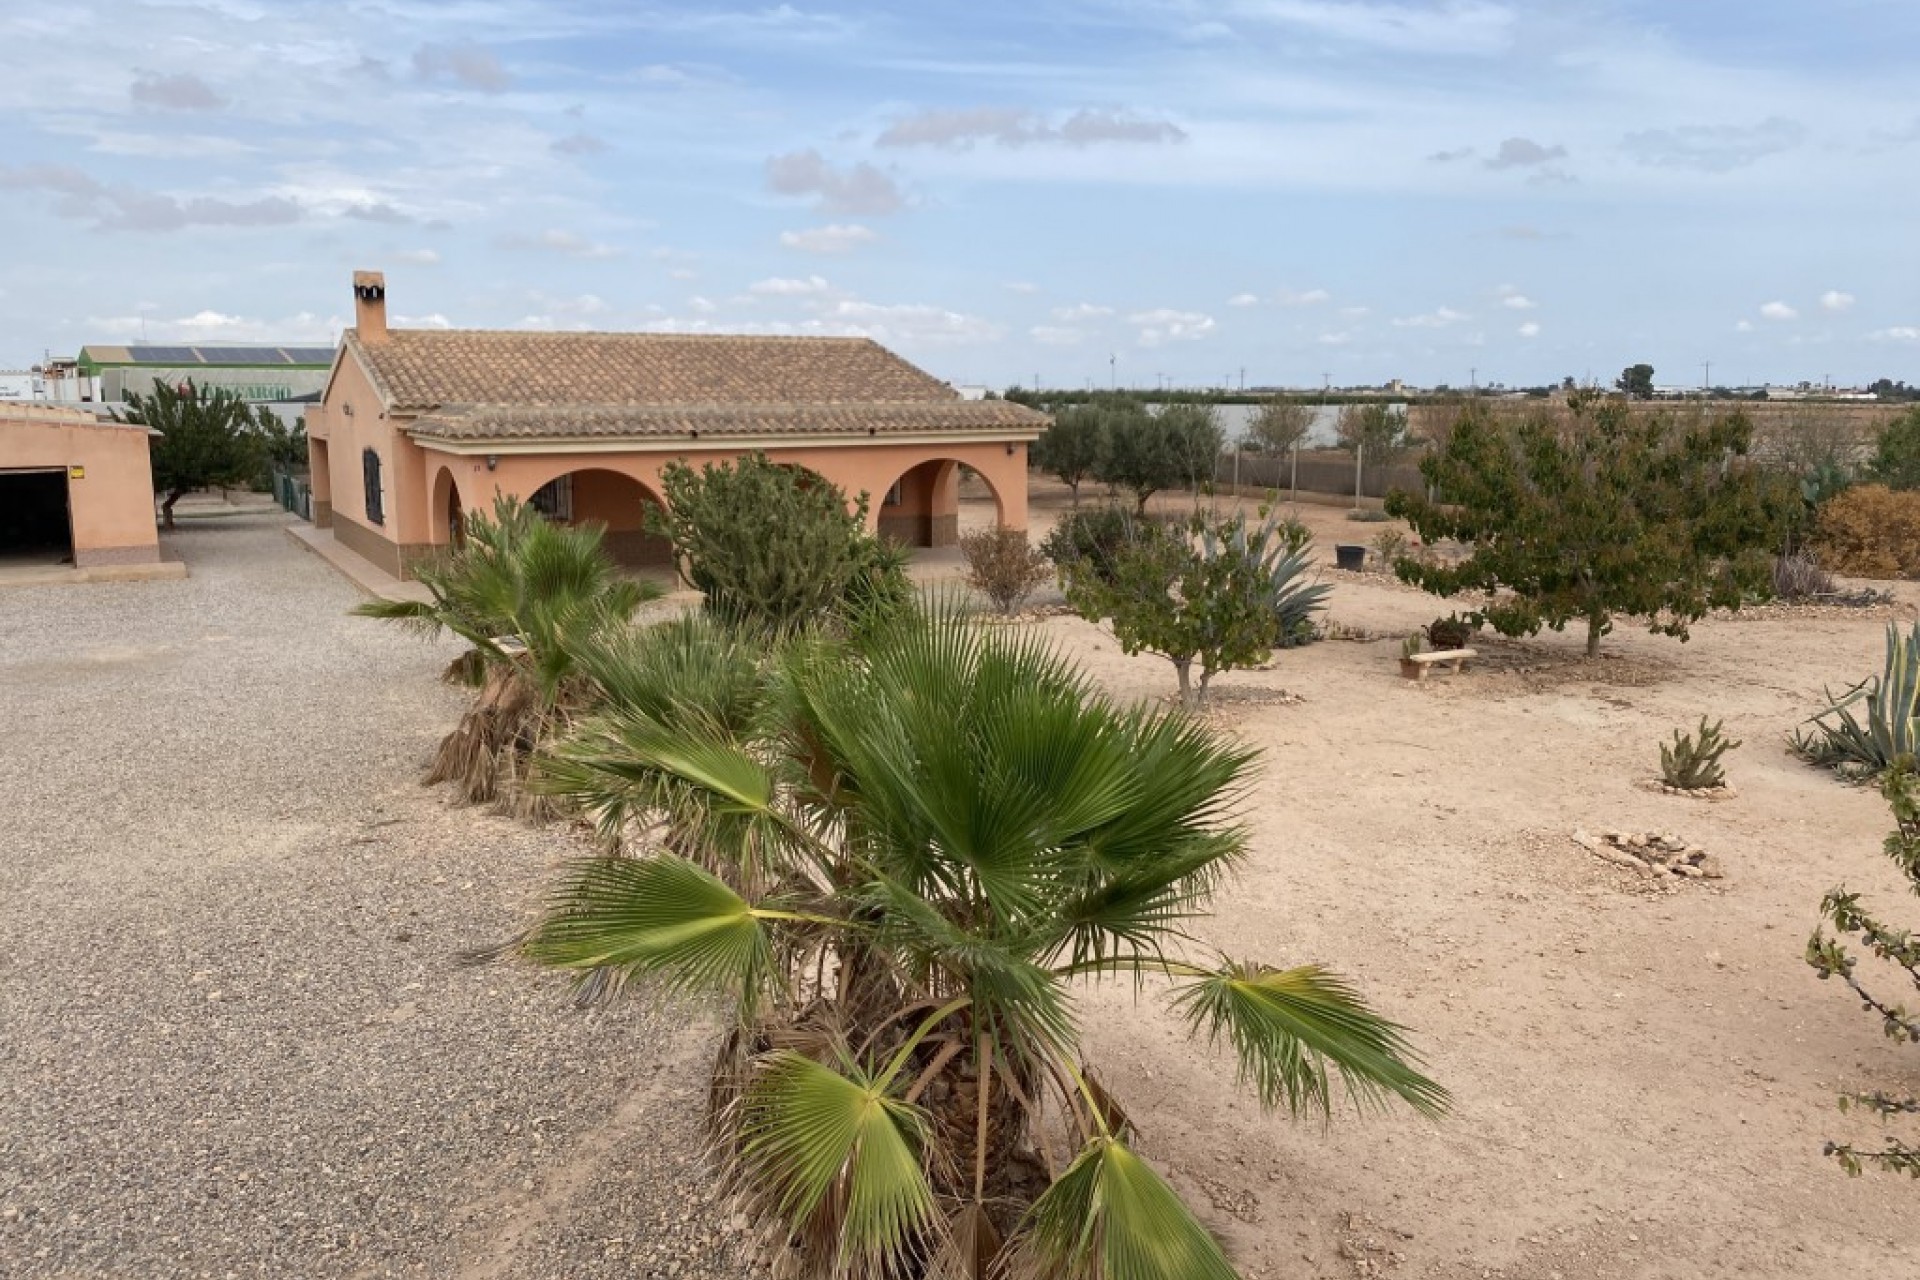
[554, 499]
[370, 472]
[893, 496]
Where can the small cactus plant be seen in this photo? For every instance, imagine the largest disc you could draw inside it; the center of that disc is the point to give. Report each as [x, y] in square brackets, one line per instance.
[1692, 763]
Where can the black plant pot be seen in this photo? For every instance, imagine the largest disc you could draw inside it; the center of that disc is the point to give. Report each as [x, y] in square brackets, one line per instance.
[1348, 555]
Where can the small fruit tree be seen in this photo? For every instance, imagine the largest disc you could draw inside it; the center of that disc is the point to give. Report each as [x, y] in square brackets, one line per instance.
[1602, 513]
[1216, 594]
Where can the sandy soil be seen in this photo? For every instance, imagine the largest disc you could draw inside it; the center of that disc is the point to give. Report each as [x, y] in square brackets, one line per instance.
[1642, 1081]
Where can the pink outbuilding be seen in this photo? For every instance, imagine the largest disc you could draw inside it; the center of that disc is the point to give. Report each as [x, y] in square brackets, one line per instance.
[75, 490]
[419, 426]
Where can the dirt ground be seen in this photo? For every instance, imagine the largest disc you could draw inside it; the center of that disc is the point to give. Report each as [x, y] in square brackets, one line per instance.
[1642, 1080]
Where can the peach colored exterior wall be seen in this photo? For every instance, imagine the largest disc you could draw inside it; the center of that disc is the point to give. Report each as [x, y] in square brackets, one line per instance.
[416, 525]
[110, 508]
[856, 468]
[337, 440]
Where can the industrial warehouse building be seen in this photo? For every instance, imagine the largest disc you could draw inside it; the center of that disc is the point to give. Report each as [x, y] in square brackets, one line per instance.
[417, 427]
[288, 378]
[74, 490]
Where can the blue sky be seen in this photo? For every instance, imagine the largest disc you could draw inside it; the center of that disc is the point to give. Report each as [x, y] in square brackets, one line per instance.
[1360, 189]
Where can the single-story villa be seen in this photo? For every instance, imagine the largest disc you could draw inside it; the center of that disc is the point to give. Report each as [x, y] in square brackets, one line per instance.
[75, 489]
[418, 426]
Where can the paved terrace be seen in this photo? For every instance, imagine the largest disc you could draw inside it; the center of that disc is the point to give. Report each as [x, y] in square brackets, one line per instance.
[234, 1040]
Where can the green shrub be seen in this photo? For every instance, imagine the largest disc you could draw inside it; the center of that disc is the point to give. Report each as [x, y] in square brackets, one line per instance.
[1829, 958]
[1871, 531]
[1088, 540]
[1219, 594]
[1002, 566]
[1450, 632]
[1692, 763]
[773, 546]
[1889, 704]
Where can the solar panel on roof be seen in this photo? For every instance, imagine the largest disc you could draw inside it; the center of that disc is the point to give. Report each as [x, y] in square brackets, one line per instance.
[241, 355]
[310, 355]
[164, 355]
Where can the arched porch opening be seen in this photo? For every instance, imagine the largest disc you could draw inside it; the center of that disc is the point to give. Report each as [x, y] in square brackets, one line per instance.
[927, 505]
[449, 519]
[615, 501]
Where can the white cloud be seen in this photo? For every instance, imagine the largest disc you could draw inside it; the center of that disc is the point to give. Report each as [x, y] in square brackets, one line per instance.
[1081, 311]
[1528, 330]
[1525, 153]
[1026, 287]
[1244, 300]
[1715, 148]
[1164, 324]
[1778, 311]
[465, 63]
[418, 257]
[910, 323]
[1899, 333]
[836, 237]
[1334, 339]
[789, 287]
[1460, 27]
[1306, 298]
[1836, 300]
[1017, 127]
[1513, 299]
[1744, 326]
[555, 240]
[1056, 335]
[703, 306]
[859, 188]
[183, 92]
[1438, 319]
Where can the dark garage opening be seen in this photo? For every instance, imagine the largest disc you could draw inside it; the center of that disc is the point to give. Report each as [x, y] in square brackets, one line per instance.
[33, 517]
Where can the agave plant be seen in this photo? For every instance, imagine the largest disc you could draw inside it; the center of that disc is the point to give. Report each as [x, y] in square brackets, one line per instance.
[898, 864]
[1888, 726]
[528, 596]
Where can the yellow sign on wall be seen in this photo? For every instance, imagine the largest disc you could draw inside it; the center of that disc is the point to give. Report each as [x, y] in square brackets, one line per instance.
[76, 473]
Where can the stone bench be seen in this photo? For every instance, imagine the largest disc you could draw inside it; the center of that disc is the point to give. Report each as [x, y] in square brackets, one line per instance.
[1415, 666]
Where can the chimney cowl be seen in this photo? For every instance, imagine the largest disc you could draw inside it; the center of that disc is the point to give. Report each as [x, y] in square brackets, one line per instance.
[370, 305]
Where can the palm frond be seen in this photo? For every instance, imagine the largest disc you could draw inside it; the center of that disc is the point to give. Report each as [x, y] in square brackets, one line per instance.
[1110, 1216]
[659, 916]
[1292, 1029]
[840, 1161]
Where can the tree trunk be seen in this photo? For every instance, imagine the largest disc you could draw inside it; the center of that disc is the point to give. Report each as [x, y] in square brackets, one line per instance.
[166, 508]
[1596, 624]
[1180, 668]
[1206, 678]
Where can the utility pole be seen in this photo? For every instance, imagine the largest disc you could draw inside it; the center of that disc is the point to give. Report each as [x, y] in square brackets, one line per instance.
[1113, 369]
[1243, 377]
[1473, 380]
[1706, 377]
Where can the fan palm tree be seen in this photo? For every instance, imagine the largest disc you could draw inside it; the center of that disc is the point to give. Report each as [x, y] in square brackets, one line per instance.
[897, 854]
[527, 595]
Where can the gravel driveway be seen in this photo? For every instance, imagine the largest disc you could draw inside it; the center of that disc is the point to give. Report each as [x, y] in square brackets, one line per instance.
[233, 1037]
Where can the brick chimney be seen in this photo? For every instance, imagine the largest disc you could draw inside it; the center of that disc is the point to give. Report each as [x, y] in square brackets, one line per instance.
[370, 306]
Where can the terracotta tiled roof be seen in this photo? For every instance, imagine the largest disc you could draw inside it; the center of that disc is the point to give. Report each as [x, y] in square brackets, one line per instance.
[878, 418]
[423, 369]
